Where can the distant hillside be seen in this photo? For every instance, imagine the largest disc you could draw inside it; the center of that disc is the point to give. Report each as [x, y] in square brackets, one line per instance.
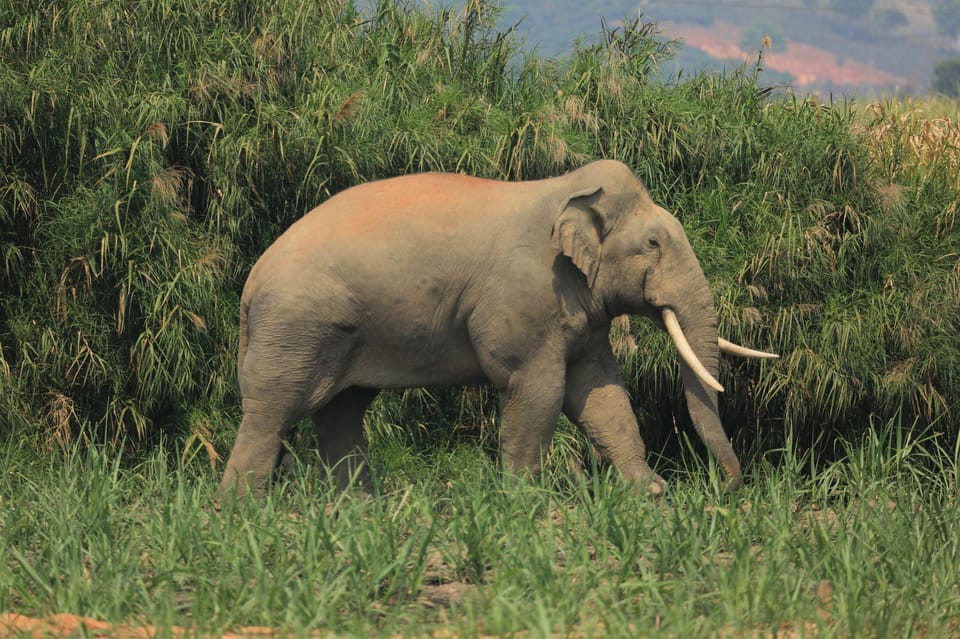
[840, 46]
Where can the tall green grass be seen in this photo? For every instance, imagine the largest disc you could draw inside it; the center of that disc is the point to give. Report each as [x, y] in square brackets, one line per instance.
[150, 152]
[866, 546]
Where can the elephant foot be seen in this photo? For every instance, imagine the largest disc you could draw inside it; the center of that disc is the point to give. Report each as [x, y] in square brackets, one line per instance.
[349, 474]
[645, 481]
[288, 463]
[657, 486]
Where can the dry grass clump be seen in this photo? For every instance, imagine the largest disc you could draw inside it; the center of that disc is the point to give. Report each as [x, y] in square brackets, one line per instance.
[913, 136]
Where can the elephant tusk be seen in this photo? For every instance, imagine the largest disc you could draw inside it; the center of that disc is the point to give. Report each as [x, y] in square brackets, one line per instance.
[686, 352]
[742, 351]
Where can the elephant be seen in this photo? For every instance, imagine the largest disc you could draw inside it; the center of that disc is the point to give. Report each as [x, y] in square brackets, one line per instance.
[442, 279]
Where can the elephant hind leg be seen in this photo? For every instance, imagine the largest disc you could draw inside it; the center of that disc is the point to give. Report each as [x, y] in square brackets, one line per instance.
[293, 366]
[340, 438]
[256, 452]
[273, 400]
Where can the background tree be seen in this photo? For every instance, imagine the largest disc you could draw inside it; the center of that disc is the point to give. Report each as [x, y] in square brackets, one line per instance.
[946, 14]
[892, 18]
[853, 7]
[946, 77]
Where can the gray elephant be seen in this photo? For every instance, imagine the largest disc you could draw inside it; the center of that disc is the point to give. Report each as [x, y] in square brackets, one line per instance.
[445, 279]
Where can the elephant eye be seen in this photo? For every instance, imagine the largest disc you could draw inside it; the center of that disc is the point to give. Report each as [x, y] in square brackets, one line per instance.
[653, 242]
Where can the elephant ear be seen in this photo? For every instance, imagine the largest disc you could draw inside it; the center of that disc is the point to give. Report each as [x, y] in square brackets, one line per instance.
[576, 232]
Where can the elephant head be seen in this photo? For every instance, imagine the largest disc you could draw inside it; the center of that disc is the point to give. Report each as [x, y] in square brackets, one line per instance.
[637, 260]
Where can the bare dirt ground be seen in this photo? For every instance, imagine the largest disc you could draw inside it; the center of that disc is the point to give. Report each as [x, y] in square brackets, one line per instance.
[810, 66]
[66, 625]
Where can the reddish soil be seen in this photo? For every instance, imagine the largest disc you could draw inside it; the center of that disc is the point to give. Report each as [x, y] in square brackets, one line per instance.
[441, 591]
[810, 66]
[65, 625]
[71, 626]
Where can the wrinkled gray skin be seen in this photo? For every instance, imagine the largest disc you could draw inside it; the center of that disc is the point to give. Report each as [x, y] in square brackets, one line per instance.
[443, 279]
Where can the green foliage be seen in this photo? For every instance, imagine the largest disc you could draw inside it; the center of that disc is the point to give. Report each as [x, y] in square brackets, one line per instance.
[150, 152]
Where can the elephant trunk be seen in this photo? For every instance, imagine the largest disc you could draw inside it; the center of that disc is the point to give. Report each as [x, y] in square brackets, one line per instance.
[698, 322]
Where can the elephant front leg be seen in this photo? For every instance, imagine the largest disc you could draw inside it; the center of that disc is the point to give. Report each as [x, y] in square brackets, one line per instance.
[529, 409]
[597, 402]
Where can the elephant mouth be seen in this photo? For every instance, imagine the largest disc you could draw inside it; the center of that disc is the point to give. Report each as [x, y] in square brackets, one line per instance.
[686, 352]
